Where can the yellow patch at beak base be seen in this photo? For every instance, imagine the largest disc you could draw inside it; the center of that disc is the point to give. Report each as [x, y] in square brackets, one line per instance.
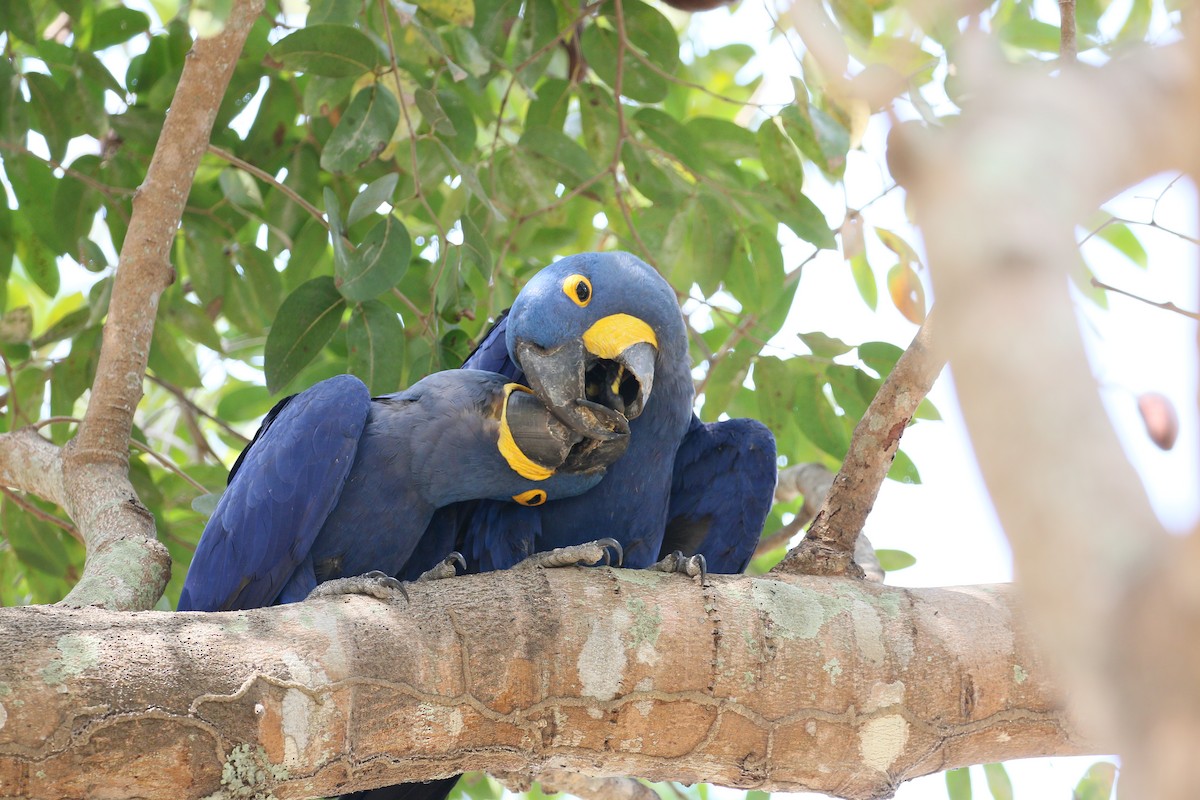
[612, 335]
[521, 464]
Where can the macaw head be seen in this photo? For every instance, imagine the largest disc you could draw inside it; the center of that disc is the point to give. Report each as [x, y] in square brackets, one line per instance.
[587, 331]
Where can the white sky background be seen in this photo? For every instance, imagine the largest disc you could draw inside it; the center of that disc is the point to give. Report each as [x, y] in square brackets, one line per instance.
[947, 522]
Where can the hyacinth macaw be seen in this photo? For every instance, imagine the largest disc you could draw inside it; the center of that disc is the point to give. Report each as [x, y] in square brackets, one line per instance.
[336, 483]
[601, 334]
[600, 337]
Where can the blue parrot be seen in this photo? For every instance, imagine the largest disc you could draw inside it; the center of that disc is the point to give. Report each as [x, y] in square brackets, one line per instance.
[336, 484]
[600, 335]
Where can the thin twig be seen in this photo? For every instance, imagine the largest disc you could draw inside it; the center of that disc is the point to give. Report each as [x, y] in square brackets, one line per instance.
[1168, 306]
[267, 177]
[1067, 48]
[169, 464]
[185, 400]
[45, 516]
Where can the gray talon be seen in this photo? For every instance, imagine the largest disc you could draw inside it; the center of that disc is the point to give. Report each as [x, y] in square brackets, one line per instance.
[687, 565]
[444, 568]
[373, 584]
[586, 554]
[608, 543]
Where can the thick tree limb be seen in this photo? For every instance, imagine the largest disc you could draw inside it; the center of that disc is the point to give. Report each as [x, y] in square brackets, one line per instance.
[126, 566]
[32, 464]
[806, 683]
[828, 547]
[998, 205]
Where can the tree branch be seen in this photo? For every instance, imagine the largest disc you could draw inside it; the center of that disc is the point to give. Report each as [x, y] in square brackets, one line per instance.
[797, 684]
[126, 565]
[32, 464]
[828, 547]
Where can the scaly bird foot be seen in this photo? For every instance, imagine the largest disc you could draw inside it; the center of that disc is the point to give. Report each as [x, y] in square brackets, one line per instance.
[444, 568]
[374, 584]
[586, 554]
[688, 565]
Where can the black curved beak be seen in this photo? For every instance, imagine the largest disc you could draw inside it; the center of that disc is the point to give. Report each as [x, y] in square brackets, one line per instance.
[595, 397]
[551, 444]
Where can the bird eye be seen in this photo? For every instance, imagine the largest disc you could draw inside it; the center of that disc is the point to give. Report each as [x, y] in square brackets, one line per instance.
[579, 289]
[534, 497]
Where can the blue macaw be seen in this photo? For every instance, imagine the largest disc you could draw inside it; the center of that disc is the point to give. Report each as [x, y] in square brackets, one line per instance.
[601, 334]
[337, 484]
[600, 337]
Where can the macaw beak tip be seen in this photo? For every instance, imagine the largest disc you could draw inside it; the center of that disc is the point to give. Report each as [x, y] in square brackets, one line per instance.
[594, 397]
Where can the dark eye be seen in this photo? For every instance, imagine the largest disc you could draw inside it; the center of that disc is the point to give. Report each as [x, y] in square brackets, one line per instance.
[579, 289]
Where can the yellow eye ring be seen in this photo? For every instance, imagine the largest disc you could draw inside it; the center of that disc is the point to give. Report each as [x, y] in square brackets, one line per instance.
[579, 289]
[534, 497]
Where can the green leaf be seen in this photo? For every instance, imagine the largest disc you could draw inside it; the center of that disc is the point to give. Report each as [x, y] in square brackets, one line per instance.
[168, 360]
[903, 470]
[1097, 782]
[537, 28]
[958, 784]
[307, 320]
[334, 51]
[1032, 34]
[998, 783]
[377, 265]
[569, 163]
[656, 184]
[1119, 235]
[823, 345]
[375, 341]
[803, 217]
[37, 259]
[638, 82]
[116, 25]
[893, 560]
[817, 419]
[857, 16]
[880, 356]
[823, 139]
[460, 12]
[37, 544]
[239, 188]
[364, 130]
[244, 402]
[47, 102]
[378, 192]
[779, 157]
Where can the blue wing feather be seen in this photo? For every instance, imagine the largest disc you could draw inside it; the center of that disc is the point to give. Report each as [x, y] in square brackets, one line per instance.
[721, 492]
[281, 490]
[491, 354]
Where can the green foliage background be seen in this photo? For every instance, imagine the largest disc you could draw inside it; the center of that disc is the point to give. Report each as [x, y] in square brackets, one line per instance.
[456, 146]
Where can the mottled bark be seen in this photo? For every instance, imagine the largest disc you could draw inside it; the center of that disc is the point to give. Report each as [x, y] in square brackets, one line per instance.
[837, 686]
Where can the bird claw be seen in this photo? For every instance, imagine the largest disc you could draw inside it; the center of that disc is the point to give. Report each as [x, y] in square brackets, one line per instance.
[688, 565]
[586, 554]
[444, 568]
[373, 584]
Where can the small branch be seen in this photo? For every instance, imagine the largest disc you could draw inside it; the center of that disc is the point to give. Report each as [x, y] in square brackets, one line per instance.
[268, 178]
[828, 548]
[127, 567]
[45, 516]
[32, 464]
[169, 464]
[1168, 306]
[182, 397]
[1067, 49]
